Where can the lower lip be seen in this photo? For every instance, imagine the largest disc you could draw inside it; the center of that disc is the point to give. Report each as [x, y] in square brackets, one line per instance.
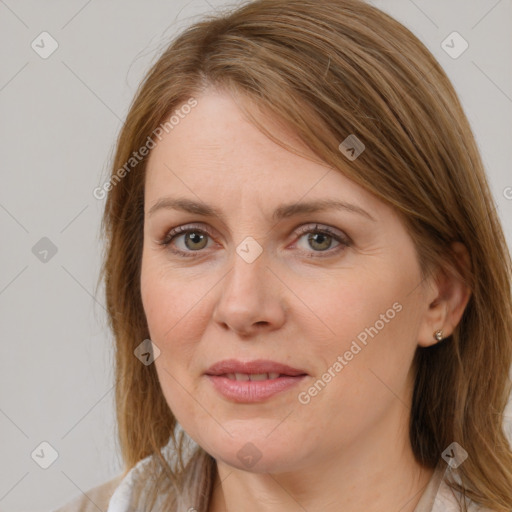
[247, 391]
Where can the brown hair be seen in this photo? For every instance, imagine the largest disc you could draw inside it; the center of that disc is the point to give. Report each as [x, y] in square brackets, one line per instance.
[330, 68]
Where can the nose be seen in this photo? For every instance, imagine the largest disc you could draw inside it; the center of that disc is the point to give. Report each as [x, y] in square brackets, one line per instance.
[251, 298]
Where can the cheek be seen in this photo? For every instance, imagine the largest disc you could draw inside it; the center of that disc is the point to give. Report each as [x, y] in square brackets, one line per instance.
[170, 300]
[170, 315]
[372, 320]
[176, 310]
[356, 306]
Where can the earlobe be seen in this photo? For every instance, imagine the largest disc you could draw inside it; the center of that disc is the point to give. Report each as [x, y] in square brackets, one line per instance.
[434, 327]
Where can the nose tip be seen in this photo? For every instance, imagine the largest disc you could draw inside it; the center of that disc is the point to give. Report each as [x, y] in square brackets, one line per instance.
[248, 304]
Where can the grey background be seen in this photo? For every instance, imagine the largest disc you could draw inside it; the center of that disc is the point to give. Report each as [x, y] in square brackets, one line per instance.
[59, 120]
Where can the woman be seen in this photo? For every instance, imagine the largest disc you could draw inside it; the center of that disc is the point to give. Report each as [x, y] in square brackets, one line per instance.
[307, 280]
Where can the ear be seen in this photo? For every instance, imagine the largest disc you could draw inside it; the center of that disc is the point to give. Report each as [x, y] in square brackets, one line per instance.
[447, 297]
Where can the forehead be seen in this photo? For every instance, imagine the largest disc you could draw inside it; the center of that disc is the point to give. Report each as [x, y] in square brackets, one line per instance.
[215, 151]
[216, 136]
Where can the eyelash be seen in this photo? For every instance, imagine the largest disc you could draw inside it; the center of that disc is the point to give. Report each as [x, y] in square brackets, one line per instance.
[180, 230]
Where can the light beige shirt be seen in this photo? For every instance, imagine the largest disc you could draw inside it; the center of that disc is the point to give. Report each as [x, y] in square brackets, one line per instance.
[437, 497]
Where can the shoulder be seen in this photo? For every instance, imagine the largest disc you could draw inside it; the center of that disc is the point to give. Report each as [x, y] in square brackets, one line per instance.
[94, 499]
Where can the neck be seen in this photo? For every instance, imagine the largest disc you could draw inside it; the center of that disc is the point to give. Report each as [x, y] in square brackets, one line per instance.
[376, 472]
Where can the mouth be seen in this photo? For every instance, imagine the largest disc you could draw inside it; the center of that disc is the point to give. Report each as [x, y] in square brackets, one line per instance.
[256, 368]
[243, 377]
[252, 381]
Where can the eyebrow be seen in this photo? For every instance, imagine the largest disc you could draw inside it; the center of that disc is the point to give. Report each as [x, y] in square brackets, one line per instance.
[282, 212]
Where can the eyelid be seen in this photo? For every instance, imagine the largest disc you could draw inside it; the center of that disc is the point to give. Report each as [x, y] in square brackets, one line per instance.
[306, 228]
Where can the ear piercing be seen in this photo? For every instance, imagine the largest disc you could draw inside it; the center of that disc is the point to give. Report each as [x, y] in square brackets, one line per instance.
[438, 335]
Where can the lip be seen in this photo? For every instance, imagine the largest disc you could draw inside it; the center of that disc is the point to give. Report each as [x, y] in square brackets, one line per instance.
[255, 366]
[252, 391]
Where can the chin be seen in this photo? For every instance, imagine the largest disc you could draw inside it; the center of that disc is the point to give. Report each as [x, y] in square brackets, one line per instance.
[256, 454]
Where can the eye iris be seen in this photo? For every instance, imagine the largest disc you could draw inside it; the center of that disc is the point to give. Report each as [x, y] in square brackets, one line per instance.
[196, 238]
[313, 237]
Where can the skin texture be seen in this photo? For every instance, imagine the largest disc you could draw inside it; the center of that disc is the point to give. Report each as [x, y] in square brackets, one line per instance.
[301, 303]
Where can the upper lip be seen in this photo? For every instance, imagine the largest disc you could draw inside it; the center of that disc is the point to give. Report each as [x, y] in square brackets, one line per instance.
[252, 367]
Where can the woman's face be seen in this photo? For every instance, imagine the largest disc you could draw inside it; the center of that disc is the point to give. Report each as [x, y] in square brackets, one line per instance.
[263, 281]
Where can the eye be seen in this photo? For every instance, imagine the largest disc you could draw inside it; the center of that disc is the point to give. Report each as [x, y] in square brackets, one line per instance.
[320, 239]
[196, 239]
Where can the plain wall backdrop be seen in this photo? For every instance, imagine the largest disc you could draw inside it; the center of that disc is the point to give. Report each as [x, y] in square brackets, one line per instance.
[60, 115]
